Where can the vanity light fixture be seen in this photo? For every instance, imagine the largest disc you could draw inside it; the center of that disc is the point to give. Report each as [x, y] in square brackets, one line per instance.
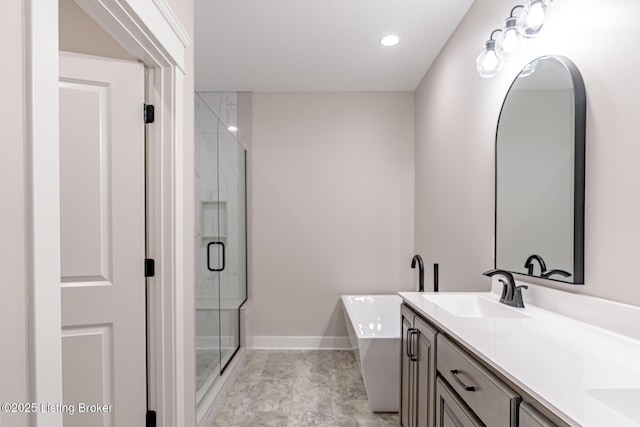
[489, 63]
[390, 40]
[527, 23]
[232, 129]
[532, 17]
[508, 40]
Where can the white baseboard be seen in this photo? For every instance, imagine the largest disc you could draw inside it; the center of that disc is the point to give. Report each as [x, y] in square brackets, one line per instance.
[298, 343]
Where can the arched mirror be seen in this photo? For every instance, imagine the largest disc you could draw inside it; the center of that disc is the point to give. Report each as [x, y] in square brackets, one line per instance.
[540, 156]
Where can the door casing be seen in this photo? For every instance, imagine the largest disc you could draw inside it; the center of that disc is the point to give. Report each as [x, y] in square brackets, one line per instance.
[152, 34]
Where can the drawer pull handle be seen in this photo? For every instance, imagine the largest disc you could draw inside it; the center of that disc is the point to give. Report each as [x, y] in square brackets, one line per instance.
[410, 333]
[413, 332]
[454, 373]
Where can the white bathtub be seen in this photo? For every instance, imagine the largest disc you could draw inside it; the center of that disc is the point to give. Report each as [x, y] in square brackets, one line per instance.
[373, 322]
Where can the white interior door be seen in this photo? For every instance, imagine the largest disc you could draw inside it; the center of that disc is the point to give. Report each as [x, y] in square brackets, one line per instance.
[102, 232]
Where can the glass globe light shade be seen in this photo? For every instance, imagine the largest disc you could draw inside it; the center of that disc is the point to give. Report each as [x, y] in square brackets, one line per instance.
[489, 63]
[532, 17]
[508, 41]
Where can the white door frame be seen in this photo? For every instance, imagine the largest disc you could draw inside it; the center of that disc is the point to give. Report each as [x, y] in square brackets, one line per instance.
[152, 34]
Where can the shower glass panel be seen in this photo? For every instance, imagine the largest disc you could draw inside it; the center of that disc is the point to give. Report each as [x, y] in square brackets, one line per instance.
[233, 278]
[221, 285]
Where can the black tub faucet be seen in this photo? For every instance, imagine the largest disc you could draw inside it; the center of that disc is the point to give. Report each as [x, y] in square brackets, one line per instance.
[511, 294]
[529, 264]
[418, 258]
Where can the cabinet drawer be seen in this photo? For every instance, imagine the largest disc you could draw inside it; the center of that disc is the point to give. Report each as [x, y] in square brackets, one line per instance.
[490, 399]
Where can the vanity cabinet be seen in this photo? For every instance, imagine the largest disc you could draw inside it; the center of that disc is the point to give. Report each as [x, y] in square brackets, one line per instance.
[443, 384]
[529, 417]
[417, 390]
[490, 399]
[451, 410]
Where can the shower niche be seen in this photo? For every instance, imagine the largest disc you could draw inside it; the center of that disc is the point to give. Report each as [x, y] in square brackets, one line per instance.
[220, 252]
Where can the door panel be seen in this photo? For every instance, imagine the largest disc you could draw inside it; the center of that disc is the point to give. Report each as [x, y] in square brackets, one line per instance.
[102, 239]
[87, 357]
[425, 373]
[451, 411]
[84, 184]
[406, 372]
[530, 417]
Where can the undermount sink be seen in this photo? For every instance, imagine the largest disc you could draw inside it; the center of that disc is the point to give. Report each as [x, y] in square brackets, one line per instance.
[625, 401]
[473, 306]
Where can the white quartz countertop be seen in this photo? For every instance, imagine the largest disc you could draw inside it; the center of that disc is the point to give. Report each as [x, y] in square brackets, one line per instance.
[587, 375]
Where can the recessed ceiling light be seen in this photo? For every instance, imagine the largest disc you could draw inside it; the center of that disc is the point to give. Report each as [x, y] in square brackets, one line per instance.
[389, 40]
[232, 129]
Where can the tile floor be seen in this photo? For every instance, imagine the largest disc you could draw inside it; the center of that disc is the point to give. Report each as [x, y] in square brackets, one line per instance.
[299, 389]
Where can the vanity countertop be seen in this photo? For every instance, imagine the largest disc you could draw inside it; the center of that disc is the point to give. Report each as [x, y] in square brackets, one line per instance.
[587, 375]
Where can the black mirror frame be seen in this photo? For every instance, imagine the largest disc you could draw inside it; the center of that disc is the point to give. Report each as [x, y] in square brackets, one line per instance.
[580, 121]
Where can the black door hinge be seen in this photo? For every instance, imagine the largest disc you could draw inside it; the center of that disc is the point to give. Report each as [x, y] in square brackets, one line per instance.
[149, 267]
[151, 418]
[149, 113]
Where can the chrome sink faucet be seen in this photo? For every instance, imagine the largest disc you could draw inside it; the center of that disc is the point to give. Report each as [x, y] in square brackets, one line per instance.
[511, 294]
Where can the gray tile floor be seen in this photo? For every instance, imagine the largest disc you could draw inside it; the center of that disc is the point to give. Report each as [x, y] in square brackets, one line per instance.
[300, 389]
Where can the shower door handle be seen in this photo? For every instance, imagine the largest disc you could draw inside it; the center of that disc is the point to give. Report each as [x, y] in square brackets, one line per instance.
[209, 256]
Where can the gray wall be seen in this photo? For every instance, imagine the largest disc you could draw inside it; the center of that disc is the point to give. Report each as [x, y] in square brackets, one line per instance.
[456, 115]
[331, 206]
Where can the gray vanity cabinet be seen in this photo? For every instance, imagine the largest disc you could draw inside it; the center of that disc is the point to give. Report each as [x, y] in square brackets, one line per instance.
[406, 370]
[529, 417]
[444, 384]
[418, 371]
[451, 410]
[488, 397]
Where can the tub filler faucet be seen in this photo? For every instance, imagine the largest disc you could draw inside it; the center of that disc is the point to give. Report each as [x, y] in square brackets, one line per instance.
[418, 259]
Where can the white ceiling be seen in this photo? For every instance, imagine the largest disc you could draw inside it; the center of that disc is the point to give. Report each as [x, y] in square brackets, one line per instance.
[319, 45]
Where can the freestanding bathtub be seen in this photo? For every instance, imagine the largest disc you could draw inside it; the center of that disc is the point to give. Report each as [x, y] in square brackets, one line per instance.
[373, 322]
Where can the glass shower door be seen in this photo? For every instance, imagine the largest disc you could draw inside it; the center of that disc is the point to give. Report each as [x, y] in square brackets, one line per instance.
[220, 245]
[233, 281]
[207, 226]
